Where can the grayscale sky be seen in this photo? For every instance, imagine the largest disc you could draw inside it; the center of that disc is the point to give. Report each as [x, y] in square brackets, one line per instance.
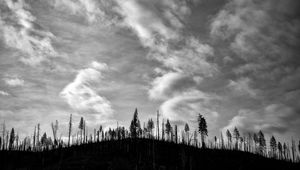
[233, 61]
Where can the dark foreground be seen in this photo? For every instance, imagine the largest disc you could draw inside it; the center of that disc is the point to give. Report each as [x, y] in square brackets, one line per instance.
[141, 154]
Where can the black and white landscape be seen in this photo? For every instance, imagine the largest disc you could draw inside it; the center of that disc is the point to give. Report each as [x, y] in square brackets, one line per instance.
[149, 84]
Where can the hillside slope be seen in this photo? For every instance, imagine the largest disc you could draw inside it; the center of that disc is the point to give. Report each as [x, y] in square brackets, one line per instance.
[141, 154]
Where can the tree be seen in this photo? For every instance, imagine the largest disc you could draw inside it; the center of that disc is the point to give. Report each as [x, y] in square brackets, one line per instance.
[176, 134]
[168, 129]
[202, 129]
[150, 127]
[299, 146]
[81, 127]
[38, 135]
[280, 150]
[236, 135]
[222, 141]
[229, 137]
[11, 138]
[54, 130]
[135, 126]
[273, 145]
[157, 124]
[186, 130]
[34, 136]
[3, 135]
[262, 142]
[70, 130]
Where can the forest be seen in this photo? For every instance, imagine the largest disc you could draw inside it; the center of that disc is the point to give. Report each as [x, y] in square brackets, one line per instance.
[156, 145]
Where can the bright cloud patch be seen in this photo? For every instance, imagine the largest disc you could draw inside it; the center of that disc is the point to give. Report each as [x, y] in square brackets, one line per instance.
[14, 82]
[81, 95]
[20, 31]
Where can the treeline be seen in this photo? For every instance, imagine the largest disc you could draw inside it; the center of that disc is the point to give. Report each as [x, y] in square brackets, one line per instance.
[163, 131]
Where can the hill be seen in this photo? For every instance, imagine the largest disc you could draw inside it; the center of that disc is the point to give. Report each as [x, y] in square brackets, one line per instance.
[139, 154]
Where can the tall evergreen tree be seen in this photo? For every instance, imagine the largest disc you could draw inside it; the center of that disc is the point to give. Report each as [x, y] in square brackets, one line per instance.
[157, 124]
[70, 130]
[54, 130]
[236, 135]
[262, 142]
[168, 129]
[202, 129]
[186, 130]
[81, 127]
[273, 145]
[229, 138]
[280, 150]
[135, 126]
[11, 139]
[150, 127]
[176, 134]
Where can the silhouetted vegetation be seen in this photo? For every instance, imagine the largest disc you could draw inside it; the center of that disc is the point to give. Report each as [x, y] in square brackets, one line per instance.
[140, 148]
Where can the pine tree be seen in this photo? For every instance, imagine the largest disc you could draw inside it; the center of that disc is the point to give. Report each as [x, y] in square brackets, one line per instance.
[202, 129]
[163, 130]
[157, 124]
[168, 129]
[11, 138]
[135, 126]
[81, 127]
[34, 136]
[38, 135]
[176, 134]
[3, 135]
[229, 138]
[186, 130]
[54, 130]
[280, 150]
[262, 143]
[222, 141]
[150, 127]
[236, 135]
[273, 145]
[70, 130]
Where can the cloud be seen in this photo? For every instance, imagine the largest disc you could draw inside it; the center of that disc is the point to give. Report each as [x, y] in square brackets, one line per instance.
[273, 118]
[242, 87]
[169, 84]
[81, 95]
[14, 82]
[3, 93]
[20, 31]
[187, 105]
[93, 10]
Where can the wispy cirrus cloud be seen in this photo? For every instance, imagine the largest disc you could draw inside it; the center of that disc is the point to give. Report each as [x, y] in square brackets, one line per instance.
[3, 93]
[20, 31]
[82, 96]
[14, 81]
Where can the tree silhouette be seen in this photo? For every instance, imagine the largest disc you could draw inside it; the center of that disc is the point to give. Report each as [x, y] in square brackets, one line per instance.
[135, 127]
[273, 145]
[150, 127]
[229, 137]
[236, 135]
[262, 142]
[202, 129]
[280, 150]
[168, 129]
[11, 139]
[70, 130]
[81, 127]
[186, 130]
[299, 146]
[54, 130]
[176, 134]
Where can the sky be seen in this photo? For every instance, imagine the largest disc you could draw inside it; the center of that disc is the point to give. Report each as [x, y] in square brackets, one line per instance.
[233, 61]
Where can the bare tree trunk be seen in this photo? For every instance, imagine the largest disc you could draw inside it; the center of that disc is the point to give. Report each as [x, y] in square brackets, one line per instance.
[70, 130]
